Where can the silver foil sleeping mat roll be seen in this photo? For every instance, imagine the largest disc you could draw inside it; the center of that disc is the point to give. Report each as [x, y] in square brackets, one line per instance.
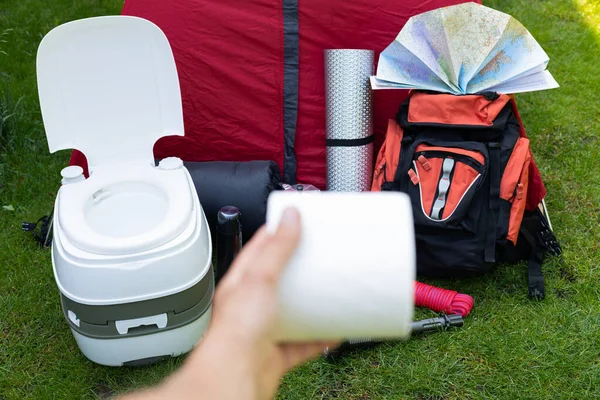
[348, 168]
[349, 119]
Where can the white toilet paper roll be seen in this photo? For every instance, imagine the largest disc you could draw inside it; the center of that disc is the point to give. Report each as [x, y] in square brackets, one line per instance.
[353, 273]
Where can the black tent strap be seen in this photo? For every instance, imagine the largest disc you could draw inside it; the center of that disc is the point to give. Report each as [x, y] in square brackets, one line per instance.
[349, 142]
[290, 88]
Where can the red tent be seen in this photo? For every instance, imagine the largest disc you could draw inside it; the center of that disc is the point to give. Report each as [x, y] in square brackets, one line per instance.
[252, 75]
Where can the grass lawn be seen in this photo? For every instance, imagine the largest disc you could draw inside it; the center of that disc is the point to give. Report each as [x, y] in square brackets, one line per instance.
[510, 347]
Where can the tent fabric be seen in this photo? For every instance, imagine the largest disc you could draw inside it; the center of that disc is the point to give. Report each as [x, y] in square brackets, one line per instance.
[252, 74]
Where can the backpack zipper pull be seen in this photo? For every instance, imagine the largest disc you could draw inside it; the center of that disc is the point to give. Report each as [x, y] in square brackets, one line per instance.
[413, 177]
[520, 191]
[424, 162]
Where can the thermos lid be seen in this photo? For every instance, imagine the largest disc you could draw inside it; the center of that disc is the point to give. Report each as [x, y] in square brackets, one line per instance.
[228, 220]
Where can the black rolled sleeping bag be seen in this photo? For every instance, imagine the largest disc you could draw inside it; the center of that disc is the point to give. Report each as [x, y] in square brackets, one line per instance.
[245, 185]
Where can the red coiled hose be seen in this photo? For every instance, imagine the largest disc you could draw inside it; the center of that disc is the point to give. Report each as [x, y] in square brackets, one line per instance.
[442, 300]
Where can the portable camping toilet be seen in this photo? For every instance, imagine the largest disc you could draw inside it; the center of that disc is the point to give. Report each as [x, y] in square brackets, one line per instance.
[131, 251]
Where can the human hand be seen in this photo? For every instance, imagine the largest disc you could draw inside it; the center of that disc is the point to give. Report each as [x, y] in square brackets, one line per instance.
[238, 358]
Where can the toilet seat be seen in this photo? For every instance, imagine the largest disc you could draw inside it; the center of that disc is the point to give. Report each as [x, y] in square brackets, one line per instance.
[154, 205]
[108, 87]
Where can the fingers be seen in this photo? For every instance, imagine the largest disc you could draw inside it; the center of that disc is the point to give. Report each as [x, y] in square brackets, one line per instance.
[267, 259]
[280, 249]
[295, 354]
[265, 255]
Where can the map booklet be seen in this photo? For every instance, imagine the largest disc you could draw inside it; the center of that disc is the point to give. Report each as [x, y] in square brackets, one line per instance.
[464, 49]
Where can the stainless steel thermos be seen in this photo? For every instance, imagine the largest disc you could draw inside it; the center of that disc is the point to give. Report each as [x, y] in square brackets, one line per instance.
[228, 240]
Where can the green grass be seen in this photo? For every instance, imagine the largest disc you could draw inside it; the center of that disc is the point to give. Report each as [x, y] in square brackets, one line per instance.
[510, 347]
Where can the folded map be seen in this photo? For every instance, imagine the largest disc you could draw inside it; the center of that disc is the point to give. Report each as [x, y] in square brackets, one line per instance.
[461, 49]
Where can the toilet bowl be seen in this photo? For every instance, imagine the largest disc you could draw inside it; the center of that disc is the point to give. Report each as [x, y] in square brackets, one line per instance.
[132, 251]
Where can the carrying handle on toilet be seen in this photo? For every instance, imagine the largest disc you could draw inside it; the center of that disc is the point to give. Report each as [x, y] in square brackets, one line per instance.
[123, 327]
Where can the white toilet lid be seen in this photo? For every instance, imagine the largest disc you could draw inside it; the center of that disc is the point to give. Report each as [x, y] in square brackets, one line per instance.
[108, 86]
[143, 209]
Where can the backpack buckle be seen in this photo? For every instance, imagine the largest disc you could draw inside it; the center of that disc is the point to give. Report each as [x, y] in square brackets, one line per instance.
[424, 162]
[549, 242]
[413, 177]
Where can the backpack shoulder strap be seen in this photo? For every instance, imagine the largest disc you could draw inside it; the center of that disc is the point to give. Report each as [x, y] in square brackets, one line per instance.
[539, 235]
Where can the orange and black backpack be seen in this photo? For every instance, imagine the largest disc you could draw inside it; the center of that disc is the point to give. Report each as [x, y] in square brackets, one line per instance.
[477, 195]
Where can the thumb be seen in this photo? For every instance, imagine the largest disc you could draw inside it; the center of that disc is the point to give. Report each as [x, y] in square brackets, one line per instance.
[280, 247]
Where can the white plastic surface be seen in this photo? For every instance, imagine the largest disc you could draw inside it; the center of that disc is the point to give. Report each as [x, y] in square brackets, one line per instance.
[170, 163]
[125, 325]
[124, 209]
[95, 279]
[108, 86]
[73, 317]
[353, 273]
[72, 174]
[115, 352]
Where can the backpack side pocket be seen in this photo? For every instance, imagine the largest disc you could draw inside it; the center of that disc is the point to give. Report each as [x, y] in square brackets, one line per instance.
[388, 157]
[513, 190]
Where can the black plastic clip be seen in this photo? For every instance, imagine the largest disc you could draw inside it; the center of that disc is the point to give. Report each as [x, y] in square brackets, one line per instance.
[29, 226]
[550, 242]
[44, 236]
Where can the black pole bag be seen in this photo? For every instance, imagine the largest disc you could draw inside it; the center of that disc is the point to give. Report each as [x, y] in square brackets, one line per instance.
[244, 185]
